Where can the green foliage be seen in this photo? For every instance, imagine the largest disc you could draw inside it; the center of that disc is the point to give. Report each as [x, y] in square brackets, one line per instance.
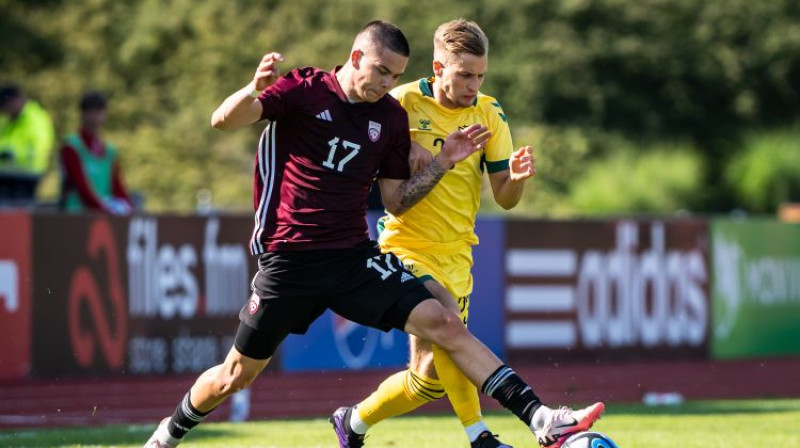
[576, 70]
[767, 172]
[657, 179]
[560, 154]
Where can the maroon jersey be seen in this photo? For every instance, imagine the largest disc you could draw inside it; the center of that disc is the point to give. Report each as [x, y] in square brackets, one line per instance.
[317, 160]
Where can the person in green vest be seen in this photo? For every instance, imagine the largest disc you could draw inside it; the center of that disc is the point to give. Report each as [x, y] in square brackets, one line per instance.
[26, 133]
[90, 170]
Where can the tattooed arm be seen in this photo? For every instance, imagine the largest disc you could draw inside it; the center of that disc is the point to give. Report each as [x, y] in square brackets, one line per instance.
[400, 195]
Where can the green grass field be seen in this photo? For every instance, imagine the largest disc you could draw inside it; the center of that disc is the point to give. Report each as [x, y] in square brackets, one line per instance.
[700, 424]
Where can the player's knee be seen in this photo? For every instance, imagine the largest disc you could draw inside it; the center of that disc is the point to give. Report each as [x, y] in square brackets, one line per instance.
[446, 328]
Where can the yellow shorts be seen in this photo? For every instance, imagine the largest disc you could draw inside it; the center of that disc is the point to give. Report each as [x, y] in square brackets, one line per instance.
[453, 271]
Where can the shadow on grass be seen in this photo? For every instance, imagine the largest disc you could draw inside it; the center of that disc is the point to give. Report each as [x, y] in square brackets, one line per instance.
[117, 435]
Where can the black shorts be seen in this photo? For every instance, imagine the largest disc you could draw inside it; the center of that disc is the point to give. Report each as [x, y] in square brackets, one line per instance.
[293, 288]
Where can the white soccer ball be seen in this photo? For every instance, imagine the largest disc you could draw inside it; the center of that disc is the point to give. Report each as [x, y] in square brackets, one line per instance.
[589, 439]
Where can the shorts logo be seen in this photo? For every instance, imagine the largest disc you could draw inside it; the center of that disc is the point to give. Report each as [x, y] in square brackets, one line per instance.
[374, 131]
[254, 304]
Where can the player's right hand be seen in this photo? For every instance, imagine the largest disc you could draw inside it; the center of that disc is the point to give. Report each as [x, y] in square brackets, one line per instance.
[267, 72]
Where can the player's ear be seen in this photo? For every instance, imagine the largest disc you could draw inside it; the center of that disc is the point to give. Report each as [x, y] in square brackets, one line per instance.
[438, 68]
[355, 58]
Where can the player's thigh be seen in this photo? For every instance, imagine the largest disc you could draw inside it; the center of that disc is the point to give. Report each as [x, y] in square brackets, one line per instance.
[431, 321]
[446, 276]
[441, 294]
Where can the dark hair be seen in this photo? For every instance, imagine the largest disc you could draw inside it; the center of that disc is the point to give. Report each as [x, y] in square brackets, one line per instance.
[388, 35]
[9, 92]
[93, 100]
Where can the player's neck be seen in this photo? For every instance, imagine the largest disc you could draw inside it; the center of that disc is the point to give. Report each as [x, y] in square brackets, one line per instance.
[441, 97]
[345, 79]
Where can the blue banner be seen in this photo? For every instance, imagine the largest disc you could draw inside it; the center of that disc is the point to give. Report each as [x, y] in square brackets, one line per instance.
[486, 304]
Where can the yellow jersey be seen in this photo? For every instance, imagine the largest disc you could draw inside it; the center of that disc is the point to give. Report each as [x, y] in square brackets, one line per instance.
[443, 222]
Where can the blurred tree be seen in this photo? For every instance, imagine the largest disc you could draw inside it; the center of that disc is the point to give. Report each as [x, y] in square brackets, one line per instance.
[583, 74]
[767, 172]
[661, 179]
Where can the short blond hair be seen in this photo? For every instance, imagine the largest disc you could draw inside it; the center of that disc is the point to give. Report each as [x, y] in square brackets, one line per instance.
[460, 36]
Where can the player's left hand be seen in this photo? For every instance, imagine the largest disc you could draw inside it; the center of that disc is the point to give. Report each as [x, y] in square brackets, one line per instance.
[462, 144]
[418, 157]
[522, 164]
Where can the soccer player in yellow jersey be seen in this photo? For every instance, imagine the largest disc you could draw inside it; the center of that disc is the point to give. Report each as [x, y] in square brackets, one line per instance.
[434, 238]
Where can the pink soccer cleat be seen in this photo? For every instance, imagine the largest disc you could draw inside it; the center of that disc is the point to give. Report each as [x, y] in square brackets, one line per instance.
[564, 422]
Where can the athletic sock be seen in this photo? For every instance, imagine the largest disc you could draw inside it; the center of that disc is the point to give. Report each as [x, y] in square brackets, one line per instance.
[514, 394]
[399, 394]
[185, 418]
[475, 429]
[356, 424]
[460, 391]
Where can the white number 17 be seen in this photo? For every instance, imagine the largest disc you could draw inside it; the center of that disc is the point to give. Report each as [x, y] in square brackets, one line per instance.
[334, 144]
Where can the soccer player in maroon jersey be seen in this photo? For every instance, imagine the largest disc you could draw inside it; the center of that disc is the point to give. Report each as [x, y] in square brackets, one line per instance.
[330, 135]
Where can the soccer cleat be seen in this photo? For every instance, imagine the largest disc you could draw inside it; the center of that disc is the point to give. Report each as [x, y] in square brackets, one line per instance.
[161, 437]
[341, 424]
[564, 422]
[488, 440]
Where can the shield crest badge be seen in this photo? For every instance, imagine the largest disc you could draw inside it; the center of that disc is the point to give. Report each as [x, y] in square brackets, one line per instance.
[374, 131]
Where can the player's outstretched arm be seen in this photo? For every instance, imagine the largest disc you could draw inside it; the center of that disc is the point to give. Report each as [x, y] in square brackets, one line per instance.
[507, 185]
[243, 107]
[400, 195]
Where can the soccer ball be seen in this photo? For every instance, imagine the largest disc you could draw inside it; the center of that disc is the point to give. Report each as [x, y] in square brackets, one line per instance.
[589, 439]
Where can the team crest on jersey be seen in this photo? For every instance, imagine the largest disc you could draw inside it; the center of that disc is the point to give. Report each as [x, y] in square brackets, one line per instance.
[374, 131]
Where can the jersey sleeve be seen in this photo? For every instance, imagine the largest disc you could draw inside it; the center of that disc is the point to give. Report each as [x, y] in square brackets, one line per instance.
[395, 164]
[276, 99]
[499, 148]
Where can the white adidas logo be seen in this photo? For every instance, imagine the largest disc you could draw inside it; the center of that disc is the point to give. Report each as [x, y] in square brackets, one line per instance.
[324, 115]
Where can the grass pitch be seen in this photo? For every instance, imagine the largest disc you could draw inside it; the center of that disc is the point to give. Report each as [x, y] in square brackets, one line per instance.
[699, 424]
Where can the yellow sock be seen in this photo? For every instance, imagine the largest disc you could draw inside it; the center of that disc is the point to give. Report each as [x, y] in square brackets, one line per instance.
[399, 394]
[462, 393]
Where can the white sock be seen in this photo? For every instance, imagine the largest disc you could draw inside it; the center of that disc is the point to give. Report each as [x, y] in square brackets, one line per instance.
[356, 424]
[539, 417]
[475, 429]
[163, 436]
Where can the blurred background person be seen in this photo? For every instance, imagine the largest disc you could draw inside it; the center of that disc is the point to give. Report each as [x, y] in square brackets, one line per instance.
[90, 170]
[26, 141]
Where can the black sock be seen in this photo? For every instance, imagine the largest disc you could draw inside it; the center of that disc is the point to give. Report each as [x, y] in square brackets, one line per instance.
[185, 418]
[510, 391]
